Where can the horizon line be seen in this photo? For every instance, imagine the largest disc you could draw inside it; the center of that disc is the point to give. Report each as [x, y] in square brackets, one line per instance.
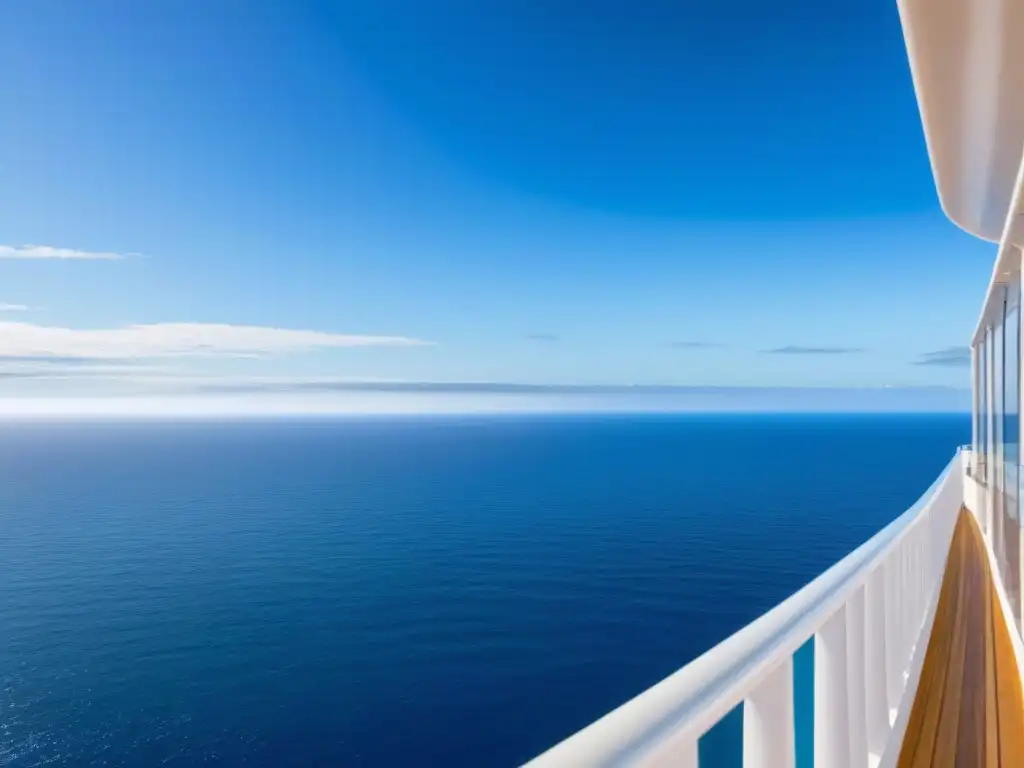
[506, 413]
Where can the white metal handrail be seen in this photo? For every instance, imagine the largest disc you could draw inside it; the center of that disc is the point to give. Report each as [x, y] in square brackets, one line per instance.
[866, 614]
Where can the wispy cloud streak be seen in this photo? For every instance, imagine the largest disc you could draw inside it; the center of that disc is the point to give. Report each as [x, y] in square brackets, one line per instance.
[694, 345]
[27, 340]
[36, 252]
[513, 388]
[950, 357]
[799, 350]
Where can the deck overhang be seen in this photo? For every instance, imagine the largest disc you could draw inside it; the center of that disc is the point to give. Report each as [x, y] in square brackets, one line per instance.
[968, 70]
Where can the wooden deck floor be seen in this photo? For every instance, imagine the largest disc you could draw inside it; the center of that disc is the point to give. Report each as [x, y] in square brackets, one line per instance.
[969, 707]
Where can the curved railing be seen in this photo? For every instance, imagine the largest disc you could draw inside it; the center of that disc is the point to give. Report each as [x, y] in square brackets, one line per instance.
[866, 615]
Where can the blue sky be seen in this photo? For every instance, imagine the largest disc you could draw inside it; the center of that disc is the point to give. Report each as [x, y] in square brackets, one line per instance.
[239, 202]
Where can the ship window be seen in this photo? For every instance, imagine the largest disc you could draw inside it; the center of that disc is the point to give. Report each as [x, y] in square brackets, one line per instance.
[982, 406]
[1011, 451]
[1011, 393]
[975, 408]
[997, 405]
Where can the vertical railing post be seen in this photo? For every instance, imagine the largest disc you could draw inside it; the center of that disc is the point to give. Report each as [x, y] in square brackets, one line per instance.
[928, 566]
[855, 668]
[916, 587]
[769, 736]
[891, 617]
[831, 694]
[907, 619]
[876, 699]
[894, 621]
[910, 594]
[688, 756]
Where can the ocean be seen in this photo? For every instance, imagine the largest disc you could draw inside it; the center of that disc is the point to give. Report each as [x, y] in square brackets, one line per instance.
[416, 591]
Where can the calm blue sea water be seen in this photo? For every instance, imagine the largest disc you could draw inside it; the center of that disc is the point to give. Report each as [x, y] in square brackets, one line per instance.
[403, 592]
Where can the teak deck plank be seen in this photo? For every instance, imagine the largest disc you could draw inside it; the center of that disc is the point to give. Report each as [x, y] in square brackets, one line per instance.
[969, 705]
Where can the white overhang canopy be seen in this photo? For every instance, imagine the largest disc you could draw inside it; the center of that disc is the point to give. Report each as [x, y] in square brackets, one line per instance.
[967, 62]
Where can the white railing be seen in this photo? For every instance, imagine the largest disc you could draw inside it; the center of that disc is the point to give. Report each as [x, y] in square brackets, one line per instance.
[866, 614]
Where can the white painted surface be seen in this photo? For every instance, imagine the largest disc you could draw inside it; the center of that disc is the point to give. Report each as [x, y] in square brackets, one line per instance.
[967, 66]
[974, 498]
[769, 736]
[876, 702]
[901, 716]
[855, 637]
[856, 662]
[831, 694]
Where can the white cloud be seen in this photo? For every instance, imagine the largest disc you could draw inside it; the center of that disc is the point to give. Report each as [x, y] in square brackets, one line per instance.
[27, 340]
[13, 308]
[49, 252]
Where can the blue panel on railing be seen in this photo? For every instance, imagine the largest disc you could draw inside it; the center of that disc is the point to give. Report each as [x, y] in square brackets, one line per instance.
[722, 746]
[803, 704]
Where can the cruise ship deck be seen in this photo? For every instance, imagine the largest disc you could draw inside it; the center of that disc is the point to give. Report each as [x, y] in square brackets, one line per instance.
[969, 705]
[918, 657]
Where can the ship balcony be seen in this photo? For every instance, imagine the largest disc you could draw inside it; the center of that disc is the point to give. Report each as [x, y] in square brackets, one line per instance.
[917, 658]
